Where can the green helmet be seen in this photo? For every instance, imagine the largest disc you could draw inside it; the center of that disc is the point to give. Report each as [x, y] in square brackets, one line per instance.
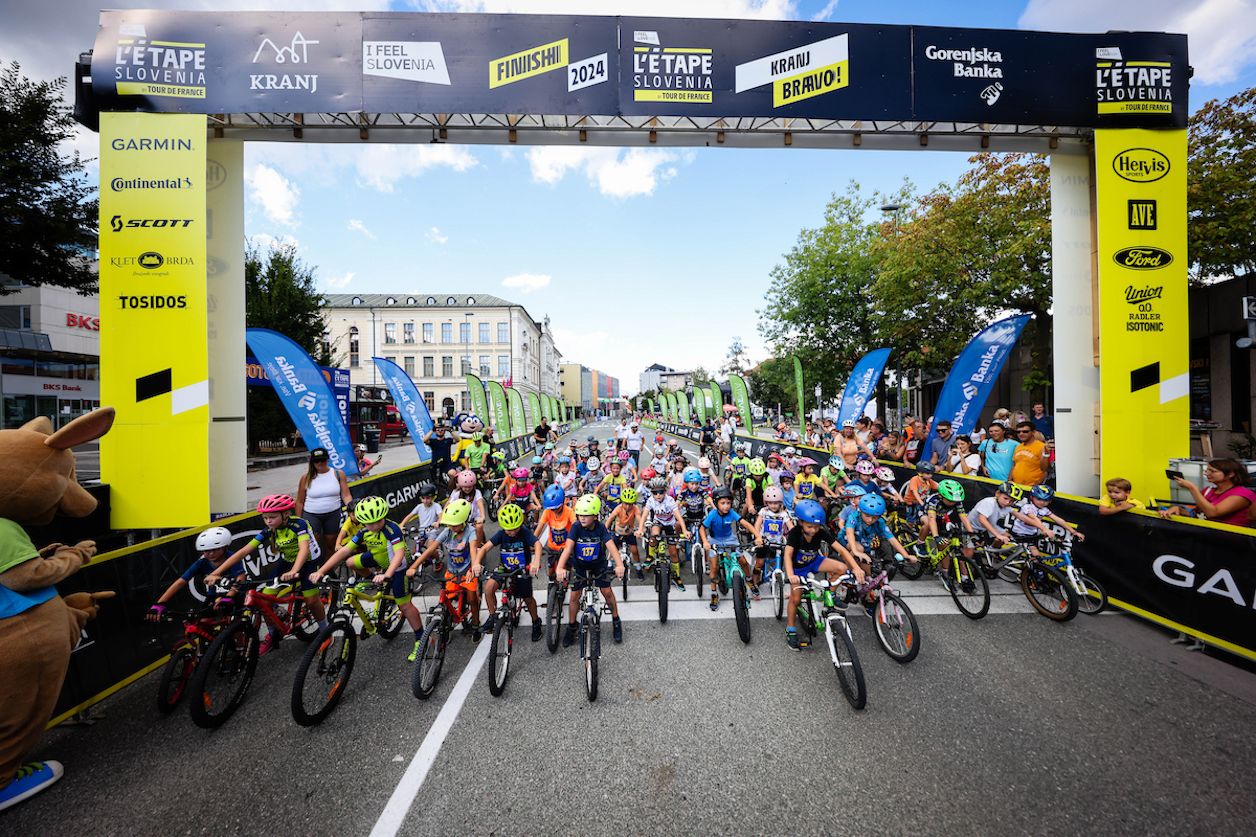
[589, 504]
[371, 509]
[456, 513]
[510, 516]
[758, 467]
[951, 490]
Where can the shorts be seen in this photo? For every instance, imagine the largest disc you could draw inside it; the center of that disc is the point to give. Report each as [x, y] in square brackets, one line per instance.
[809, 567]
[522, 502]
[727, 543]
[586, 573]
[667, 530]
[452, 584]
[308, 588]
[324, 523]
[626, 539]
[521, 588]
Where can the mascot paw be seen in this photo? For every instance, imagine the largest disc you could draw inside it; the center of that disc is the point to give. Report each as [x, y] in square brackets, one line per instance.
[86, 602]
[30, 779]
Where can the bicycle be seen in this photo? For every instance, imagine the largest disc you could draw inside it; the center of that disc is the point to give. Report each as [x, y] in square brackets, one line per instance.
[899, 525]
[200, 627]
[323, 675]
[508, 613]
[591, 609]
[555, 601]
[1047, 589]
[774, 577]
[732, 577]
[895, 624]
[964, 580]
[659, 562]
[1058, 554]
[450, 610]
[222, 678]
[818, 611]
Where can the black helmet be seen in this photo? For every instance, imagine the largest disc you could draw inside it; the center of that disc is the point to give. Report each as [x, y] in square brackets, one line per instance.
[721, 493]
[426, 489]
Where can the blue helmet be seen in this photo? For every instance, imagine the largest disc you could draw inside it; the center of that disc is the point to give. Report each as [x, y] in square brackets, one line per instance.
[554, 497]
[809, 511]
[536, 460]
[837, 463]
[564, 460]
[1042, 492]
[693, 475]
[872, 504]
[852, 490]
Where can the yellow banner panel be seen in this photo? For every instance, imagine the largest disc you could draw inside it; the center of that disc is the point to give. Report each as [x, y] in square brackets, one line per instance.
[153, 339]
[672, 96]
[1143, 326]
[526, 64]
[786, 91]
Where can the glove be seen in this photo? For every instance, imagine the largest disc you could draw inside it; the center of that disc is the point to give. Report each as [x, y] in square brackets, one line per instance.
[157, 610]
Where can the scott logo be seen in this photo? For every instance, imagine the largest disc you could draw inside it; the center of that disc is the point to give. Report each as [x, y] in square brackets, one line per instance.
[151, 260]
[117, 222]
[1141, 165]
[1143, 258]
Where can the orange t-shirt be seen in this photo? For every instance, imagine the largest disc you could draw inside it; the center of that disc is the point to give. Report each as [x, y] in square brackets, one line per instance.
[559, 523]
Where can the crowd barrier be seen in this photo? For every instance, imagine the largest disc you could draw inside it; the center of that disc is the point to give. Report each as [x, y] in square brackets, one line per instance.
[1193, 576]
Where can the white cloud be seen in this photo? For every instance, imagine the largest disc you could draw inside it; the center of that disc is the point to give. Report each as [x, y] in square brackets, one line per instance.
[335, 284]
[274, 193]
[580, 346]
[354, 224]
[618, 173]
[434, 235]
[826, 12]
[380, 166]
[1222, 32]
[527, 282]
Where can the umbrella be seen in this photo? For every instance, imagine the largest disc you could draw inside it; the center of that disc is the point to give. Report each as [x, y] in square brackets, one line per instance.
[729, 408]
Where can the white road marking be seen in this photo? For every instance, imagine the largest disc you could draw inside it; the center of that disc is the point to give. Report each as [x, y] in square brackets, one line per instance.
[389, 822]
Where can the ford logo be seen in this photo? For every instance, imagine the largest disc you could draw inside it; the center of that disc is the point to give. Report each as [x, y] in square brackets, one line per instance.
[1140, 165]
[1143, 258]
[151, 260]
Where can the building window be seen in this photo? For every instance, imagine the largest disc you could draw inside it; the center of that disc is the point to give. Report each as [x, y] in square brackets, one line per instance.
[447, 366]
[429, 398]
[15, 316]
[410, 366]
[353, 347]
[466, 400]
[464, 333]
[428, 367]
[485, 369]
[470, 300]
[503, 366]
[410, 300]
[390, 333]
[446, 332]
[484, 333]
[503, 332]
[357, 300]
[427, 332]
[466, 364]
[408, 330]
[451, 301]
[431, 300]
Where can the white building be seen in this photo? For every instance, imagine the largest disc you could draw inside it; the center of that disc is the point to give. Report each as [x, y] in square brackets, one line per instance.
[649, 379]
[438, 338]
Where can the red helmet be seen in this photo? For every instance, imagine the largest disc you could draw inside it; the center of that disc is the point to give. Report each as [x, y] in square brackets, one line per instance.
[276, 503]
[659, 438]
[648, 474]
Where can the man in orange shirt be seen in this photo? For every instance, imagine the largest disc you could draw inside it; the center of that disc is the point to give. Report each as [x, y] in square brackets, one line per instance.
[1031, 458]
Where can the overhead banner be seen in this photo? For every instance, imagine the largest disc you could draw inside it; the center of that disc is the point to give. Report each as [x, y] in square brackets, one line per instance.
[154, 332]
[479, 402]
[405, 62]
[802, 410]
[409, 403]
[1144, 380]
[499, 411]
[682, 406]
[518, 424]
[861, 384]
[741, 400]
[305, 394]
[972, 376]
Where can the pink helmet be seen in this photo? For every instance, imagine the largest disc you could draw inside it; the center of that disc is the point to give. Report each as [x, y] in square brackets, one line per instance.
[884, 473]
[624, 455]
[865, 466]
[807, 460]
[520, 473]
[466, 479]
[276, 503]
[773, 494]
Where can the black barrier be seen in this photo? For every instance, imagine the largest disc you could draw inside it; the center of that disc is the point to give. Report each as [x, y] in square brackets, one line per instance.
[521, 446]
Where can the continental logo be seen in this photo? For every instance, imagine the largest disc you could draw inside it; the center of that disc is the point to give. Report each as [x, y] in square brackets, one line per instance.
[531, 62]
[1140, 165]
[1143, 258]
[800, 73]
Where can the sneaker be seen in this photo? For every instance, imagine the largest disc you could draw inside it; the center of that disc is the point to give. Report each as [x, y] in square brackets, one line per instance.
[617, 628]
[570, 636]
[268, 643]
[489, 624]
[640, 572]
[792, 638]
[870, 608]
[715, 601]
[945, 581]
[30, 779]
[415, 653]
[536, 631]
[680, 585]
[754, 591]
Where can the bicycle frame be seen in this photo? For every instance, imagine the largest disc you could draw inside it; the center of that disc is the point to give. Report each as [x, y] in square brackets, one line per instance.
[261, 606]
[1063, 561]
[728, 563]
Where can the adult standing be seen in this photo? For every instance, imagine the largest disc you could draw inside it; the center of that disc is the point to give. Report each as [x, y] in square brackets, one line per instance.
[892, 447]
[915, 442]
[1226, 500]
[540, 435]
[621, 433]
[965, 459]
[1031, 458]
[440, 440]
[940, 446]
[996, 452]
[365, 465]
[848, 446]
[321, 495]
[1044, 423]
[635, 440]
[727, 429]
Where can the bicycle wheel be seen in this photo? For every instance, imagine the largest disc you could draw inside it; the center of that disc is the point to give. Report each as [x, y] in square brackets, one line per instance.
[896, 628]
[590, 646]
[778, 593]
[174, 677]
[846, 662]
[806, 620]
[1094, 598]
[663, 583]
[554, 617]
[699, 571]
[324, 673]
[915, 570]
[968, 587]
[431, 656]
[223, 676]
[389, 620]
[499, 653]
[1048, 591]
[741, 607]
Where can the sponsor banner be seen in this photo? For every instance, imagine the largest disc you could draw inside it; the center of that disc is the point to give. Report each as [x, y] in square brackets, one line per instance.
[861, 384]
[518, 423]
[305, 395]
[500, 412]
[684, 431]
[682, 408]
[534, 410]
[521, 447]
[741, 400]
[409, 402]
[972, 376]
[479, 403]
[699, 404]
[523, 64]
[1144, 380]
[802, 410]
[717, 401]
[760, 447]
[337, 379]
[653, 411]
[153, 294]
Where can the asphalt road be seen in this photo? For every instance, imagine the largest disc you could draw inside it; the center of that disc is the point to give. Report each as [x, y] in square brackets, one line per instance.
[1006, 726]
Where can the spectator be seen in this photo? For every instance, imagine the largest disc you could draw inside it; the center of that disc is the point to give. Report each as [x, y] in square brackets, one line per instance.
[875, 435]
[621, 433]
[915, 439]
[365, 465]
[891, 447]
[940, 445]
[862, 428]
[321, 494]
[1031, 458]
[1043, 423]
[1226, 500]
[996, 453]
[1118, 498]
[635, 440]
[965, 459]
[813, 438]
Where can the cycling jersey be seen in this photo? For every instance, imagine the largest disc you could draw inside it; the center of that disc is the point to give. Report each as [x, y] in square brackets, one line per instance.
[807, 556]
[868, 535]
[772, 525]
[287, 539]
[740, 465]
[998, 517]
[459, 546]
[613, 485]
[514, 548]
[662, 511]
[805, 486]
[693, 503]
[705, 482]
[558, 523]
[380, 544]
[829, 476]
[520, 490]
[590, 544]
[721, 528]
[946, 515]
[427, 517]
[567, 482]
[1028, 509]
[203, 566]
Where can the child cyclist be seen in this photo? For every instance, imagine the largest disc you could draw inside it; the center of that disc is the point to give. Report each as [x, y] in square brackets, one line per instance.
[786, 482]
[659, 461]
[869, 540]
[1028, 525]
[944, 518]
[738, 466]
[719, 529]
[676, 476]
[994, 515]
[771, 527]
[520, 489]
[808, 485]
[803, 557]
[756, 481]
[384, 551]
[465, 488]
[833, 476]
[212, 545]
[514, 541]
[556, 521]
[566, 478]
[662, 515]
[585, 551]
[461, 543]
[623, 521]
[918, 490]
[709, 480]
[426, 514]
[852, 494]
[612, 485]
[627, 469]
[290, 537]
[885, 482]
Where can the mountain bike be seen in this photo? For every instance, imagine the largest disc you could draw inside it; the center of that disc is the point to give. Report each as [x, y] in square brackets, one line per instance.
[659, 562]
[416, 538]
[555, 602]
[902, 529]
[200, 627]
[591, 609]
[895, 624]
[774, 576]
[451, 610]
[1047, 589]
[732, 577]
[818, 612]
[1057, 553]
[964, 580]
[507, 620]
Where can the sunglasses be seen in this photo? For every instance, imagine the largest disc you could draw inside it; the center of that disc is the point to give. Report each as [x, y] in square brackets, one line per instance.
[658, 493]
[1024, 431]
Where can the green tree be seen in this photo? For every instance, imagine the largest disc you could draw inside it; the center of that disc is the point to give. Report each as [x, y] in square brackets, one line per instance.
[280, 294]
[48, 215]
[737, 359]
[1221, 187]
[701, 377]
[772, 383]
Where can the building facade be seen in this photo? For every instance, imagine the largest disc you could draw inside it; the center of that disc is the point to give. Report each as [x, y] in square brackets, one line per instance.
[438, 338]
[649, 379]
[590, 389]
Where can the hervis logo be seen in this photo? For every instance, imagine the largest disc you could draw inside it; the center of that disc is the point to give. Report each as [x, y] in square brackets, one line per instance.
[1143, 258]
[1140, 165]
[215, 175]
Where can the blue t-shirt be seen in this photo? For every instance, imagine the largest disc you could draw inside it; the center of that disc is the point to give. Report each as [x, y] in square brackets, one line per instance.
[590, 544]
[790, 498]
[514, 548]
[847, 513]
[867, 535]
[204, 567]
[998, 457]
[869, 487]
[720, 527]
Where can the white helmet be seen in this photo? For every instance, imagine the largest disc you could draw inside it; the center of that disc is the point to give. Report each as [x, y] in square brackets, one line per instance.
[791, 451]
[214, 537]
[659, 450]
[592, 463]
[848, 423]
[884, 473]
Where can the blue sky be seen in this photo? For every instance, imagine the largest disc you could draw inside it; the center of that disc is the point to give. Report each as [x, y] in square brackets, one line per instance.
[638, 256]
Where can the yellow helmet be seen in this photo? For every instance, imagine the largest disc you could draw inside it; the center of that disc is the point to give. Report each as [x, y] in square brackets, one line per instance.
[510, 516]
[589, 504]
[456, 513]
